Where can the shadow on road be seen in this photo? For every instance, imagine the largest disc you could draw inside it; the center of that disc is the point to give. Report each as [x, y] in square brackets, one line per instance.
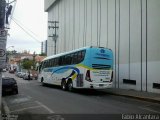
[51, 86]
[90, 92]
[8, 94]
[87, 92]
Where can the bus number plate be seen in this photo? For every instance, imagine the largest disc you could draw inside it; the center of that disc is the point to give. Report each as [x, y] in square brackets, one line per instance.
[101, 85]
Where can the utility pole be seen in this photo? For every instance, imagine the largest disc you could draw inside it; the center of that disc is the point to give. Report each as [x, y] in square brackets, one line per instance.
[54, 36]
[3, 39]
[34, 61]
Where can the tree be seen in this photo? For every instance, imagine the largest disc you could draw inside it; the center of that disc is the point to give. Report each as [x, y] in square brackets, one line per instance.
[26, 64]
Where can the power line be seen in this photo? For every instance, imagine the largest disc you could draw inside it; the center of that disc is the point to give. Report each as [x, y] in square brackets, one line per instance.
[19, 22]
[26, 32]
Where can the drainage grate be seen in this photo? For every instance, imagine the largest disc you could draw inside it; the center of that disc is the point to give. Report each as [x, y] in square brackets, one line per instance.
[127, 81]
[156, 85]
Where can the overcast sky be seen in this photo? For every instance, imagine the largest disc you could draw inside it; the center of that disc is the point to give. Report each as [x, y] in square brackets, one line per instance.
[30, 15]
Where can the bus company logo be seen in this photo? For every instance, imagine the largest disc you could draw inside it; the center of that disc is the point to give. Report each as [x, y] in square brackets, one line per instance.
[102, 51]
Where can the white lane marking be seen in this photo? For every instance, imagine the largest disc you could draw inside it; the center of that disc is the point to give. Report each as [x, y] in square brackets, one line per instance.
[6, 108]
[26, 108]
[44, 107]
[150, 110]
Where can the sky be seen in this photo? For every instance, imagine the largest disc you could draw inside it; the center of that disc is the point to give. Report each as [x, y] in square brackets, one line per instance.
[28, 16]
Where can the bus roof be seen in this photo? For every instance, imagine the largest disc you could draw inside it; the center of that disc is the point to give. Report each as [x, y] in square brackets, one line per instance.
[64, 53]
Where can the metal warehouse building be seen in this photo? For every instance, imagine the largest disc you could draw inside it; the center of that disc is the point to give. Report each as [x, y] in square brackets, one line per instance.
[131, 28]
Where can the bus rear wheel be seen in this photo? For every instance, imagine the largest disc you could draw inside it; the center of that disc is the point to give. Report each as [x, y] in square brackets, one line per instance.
[63, 85]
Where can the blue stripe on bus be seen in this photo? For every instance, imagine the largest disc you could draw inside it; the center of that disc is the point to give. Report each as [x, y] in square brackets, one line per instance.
[63, 69]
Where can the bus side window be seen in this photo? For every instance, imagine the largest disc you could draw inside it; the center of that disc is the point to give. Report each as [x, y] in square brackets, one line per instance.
[43, 65]
[40, 67]
[52, 62]
[68, 59]
[74, 60]
[60, 61]
[47, 63]
[56, 61]
[72, 57]
[81, 55]
[63, 60]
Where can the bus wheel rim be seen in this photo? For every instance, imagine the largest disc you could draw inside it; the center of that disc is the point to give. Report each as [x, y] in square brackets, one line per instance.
[63, 85]
[70, 86]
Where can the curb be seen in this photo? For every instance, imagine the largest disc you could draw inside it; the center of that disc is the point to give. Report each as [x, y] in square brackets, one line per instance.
[5, 107]
[136, 97]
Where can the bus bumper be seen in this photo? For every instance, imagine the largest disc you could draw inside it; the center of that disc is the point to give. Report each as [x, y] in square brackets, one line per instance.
[100, 85]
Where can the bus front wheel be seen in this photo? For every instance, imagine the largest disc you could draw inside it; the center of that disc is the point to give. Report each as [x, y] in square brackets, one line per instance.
[63, 85]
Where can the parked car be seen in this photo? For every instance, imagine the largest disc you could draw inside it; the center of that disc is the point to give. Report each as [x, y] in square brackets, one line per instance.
[9, 85]
[11, 71]
[18, 74]
[22, 75]
[26, 76]
[4, 70]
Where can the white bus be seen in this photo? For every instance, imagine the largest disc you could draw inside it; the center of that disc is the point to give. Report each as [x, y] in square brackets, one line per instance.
[88, 67]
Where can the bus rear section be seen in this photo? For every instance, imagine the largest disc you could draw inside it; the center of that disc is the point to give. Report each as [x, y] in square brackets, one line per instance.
[100, 74]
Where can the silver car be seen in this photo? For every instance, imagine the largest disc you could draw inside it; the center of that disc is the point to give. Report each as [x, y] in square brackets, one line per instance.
[26, 76]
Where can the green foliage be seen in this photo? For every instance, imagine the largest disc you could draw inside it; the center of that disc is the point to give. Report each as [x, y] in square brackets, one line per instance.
[26, 64]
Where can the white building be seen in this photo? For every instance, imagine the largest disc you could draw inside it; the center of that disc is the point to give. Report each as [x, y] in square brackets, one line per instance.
[131, 28]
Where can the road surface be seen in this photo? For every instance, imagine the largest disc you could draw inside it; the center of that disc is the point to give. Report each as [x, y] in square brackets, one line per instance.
[33, 98]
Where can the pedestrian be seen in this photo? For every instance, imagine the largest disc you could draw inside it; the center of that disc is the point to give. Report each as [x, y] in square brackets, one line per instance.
[29, 76]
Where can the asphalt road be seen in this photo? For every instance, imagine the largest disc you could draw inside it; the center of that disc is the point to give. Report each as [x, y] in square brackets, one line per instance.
[33, 98]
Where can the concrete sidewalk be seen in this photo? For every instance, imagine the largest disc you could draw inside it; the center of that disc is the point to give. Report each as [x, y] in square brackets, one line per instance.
[141, 95]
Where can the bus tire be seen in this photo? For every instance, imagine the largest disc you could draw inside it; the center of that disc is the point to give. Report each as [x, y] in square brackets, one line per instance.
[63, 84]
[70, 85]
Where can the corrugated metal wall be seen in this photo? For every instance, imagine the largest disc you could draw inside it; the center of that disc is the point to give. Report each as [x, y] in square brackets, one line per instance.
[129, 27]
